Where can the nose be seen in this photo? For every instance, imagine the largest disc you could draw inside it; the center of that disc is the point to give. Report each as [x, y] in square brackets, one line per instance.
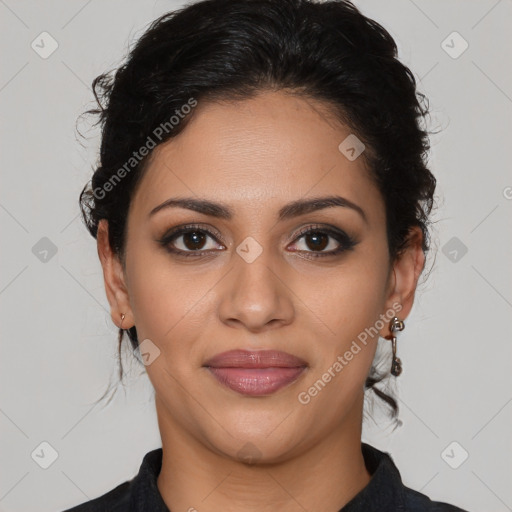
[256, 296]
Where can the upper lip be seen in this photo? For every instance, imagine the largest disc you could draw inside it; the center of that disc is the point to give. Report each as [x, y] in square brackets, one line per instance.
[255, 359]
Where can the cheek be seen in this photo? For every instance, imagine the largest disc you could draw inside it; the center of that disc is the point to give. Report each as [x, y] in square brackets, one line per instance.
[349, 310]
[351, 297]
[157, 304]
[349, 305]
[170, 304]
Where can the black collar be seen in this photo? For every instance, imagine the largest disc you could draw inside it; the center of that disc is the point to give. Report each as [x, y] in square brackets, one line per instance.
[384, 491]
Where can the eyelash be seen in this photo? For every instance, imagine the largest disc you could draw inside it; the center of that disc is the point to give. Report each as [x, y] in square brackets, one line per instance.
[346, 242]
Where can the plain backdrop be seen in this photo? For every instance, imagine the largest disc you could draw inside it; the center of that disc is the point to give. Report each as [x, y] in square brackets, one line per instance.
[59, 344]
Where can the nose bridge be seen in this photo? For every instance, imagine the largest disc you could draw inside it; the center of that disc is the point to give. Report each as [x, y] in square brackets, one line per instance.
[253, 294]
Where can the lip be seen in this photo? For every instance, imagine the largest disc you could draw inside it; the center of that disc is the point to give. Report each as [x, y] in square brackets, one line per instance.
[255, 373]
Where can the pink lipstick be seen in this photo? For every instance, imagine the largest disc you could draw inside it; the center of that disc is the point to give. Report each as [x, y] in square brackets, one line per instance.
[255, 373]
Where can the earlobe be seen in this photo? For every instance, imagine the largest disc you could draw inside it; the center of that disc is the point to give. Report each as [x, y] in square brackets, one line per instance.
[407, 269]
[113, 276]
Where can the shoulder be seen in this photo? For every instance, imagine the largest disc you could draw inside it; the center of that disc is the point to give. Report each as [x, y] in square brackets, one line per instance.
[139, 493]
[417, 502]
[387, 492]
[116, 500]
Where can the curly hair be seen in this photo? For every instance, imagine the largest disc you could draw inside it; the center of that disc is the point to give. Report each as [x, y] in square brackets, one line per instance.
[233, 49]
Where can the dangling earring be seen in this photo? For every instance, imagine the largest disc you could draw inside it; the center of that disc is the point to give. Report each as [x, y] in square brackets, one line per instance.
[395, 325]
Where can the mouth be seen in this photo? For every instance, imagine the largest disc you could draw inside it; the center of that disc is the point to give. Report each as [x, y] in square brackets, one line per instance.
[256, 373]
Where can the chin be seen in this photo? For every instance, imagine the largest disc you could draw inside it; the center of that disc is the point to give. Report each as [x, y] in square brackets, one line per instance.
[255, 436]
[257, 450]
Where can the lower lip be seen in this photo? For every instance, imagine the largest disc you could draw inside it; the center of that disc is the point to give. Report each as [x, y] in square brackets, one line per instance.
[256, 381]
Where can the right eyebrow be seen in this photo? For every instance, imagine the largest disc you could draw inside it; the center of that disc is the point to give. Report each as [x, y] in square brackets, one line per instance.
[198, 205]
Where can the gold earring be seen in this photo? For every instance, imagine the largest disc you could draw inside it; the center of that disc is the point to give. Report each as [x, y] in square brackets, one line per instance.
[122, 319]
[396, 364]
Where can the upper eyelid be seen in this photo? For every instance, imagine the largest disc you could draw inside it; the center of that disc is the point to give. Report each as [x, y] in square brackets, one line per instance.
[180, 230]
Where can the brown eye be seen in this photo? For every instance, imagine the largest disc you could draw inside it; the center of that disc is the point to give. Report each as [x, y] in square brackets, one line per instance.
[319, 241]
[316, 241]
[191, 240]
[194, 240]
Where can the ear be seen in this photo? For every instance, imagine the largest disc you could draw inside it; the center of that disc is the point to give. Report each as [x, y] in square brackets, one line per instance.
[113, 276]
[404, 277]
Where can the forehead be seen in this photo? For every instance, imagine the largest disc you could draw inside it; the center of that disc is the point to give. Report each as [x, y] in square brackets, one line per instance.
[256, 153]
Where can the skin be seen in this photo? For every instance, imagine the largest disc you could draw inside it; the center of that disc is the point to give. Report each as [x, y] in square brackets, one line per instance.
[256, 156]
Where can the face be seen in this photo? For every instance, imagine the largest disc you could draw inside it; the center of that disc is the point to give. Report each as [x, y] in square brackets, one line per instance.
[257, 272]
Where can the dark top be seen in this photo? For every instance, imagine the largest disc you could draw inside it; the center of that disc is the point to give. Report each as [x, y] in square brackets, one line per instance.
[384, 493]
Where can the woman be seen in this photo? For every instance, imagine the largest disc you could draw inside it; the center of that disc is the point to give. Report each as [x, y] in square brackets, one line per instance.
[261, 210]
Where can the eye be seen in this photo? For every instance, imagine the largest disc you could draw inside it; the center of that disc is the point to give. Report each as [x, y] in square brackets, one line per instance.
[190, 240]
[315, 241]
[321, 241]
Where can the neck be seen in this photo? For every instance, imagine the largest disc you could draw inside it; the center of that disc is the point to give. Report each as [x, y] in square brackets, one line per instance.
[324, 477]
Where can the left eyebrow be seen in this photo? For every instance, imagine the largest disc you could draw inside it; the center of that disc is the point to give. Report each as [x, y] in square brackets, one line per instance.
[291, 210]
[303, 206]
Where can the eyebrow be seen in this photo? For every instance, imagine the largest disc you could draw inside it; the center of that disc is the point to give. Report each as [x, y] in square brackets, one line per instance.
[291, 210]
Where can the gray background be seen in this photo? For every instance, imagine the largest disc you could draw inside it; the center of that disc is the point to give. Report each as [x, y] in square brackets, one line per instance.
[59, 345]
